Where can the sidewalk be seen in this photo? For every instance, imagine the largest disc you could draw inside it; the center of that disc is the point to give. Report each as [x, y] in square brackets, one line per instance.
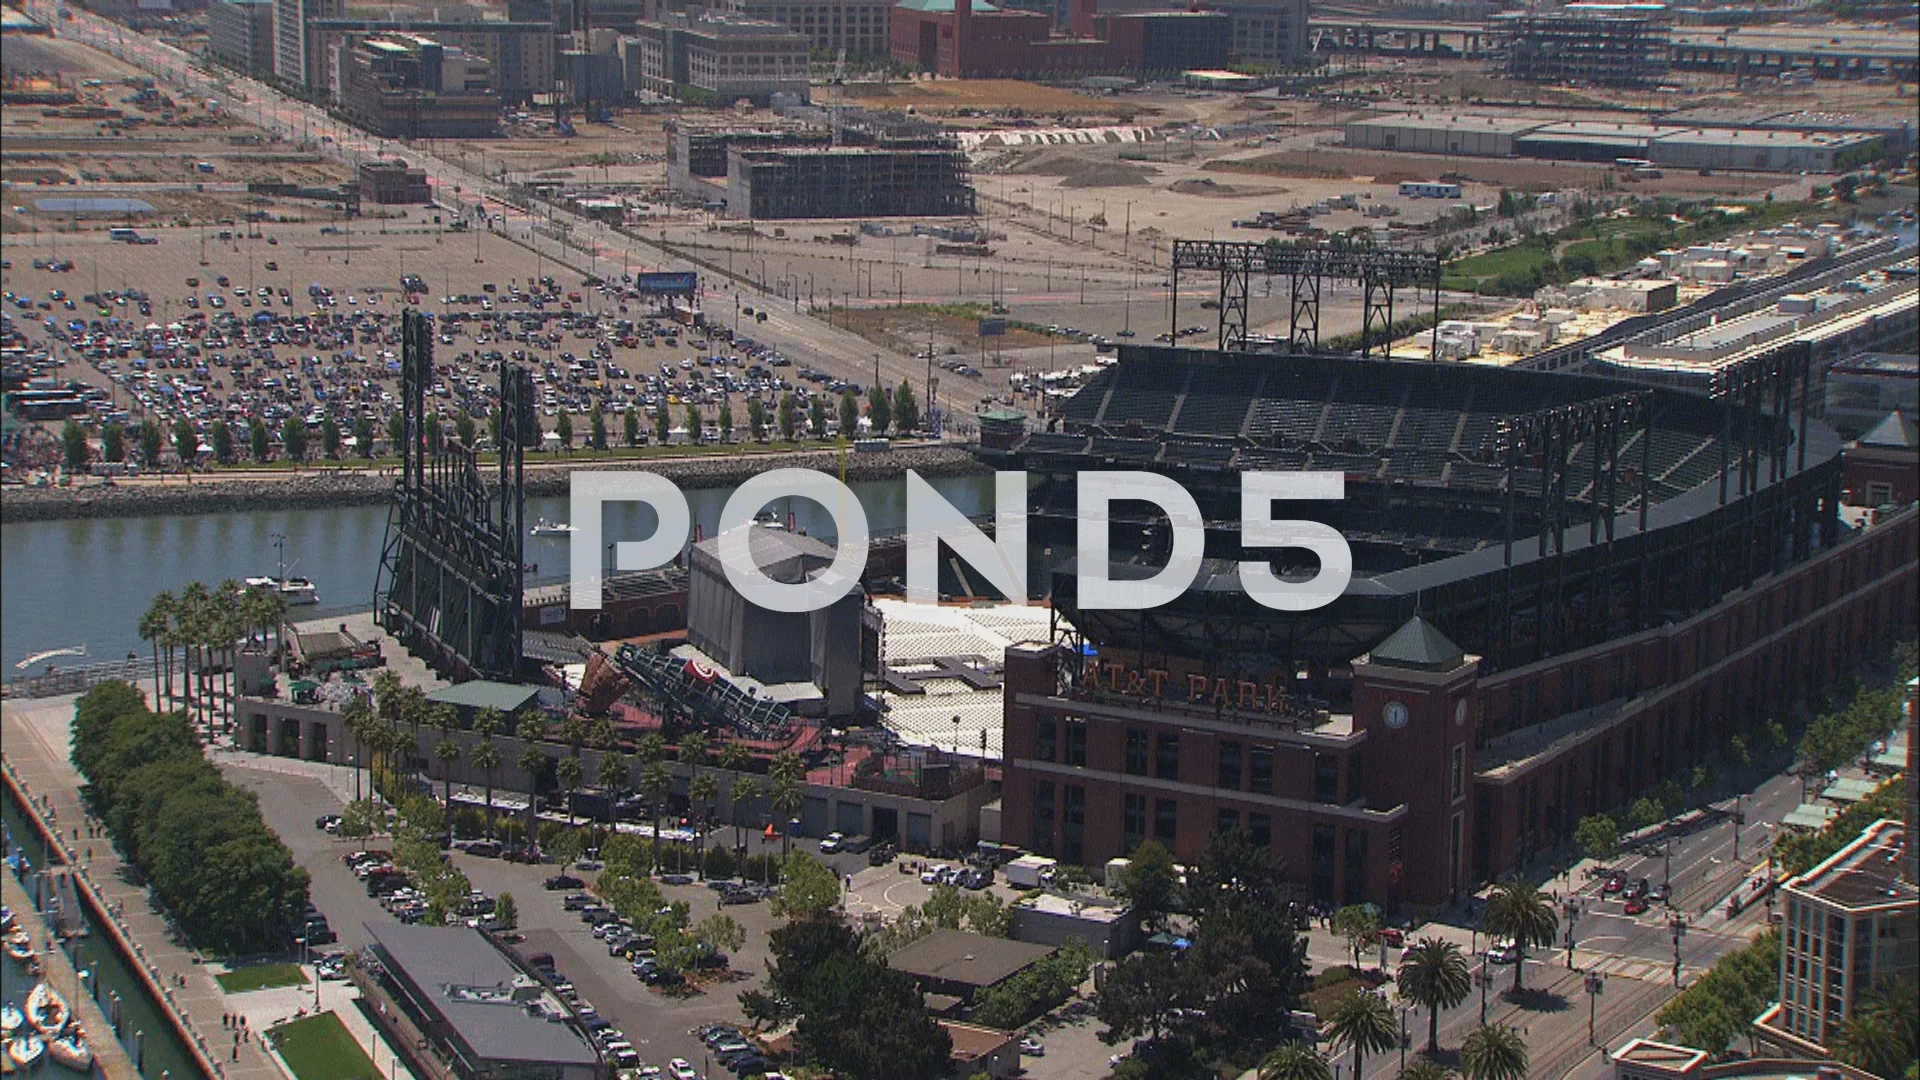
[35, 735]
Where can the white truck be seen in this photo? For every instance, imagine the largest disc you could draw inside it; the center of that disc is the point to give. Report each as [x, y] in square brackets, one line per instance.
[1030, 871]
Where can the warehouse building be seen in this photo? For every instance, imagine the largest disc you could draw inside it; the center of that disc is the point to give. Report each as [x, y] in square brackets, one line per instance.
[1586, 140]
[240, 35]
[1763, 151]
[1422, 133]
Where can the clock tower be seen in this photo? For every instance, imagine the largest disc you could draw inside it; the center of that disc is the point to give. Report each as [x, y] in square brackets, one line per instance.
[1414, 697]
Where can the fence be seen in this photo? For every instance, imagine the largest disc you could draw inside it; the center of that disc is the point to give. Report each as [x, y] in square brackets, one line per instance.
[76, 680]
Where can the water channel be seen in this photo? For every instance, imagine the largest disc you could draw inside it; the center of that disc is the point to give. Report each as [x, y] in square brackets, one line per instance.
[87, 582]
[162, 1052]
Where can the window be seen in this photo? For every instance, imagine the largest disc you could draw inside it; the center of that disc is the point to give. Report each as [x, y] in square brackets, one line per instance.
[1074, 823]
[1165, 819]
[1323, 856]
[1260, 828]
[1354, 788]
[1356, 890]
[1230, 765]
[1326, 778]
[1043, 817]
[1045, 746]
[1136, 752]
[1076, 742]
[1260, 770]
[1133, 821]
[1226, 821]
[1457, 773]
[1167, 755]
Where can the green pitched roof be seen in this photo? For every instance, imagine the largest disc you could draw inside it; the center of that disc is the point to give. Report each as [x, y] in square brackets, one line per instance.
[480, 694]
[1418, 645]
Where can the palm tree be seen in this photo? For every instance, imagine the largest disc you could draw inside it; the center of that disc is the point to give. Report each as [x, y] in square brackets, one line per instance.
[1423, 1069]
[1295, 1061]
[486, 758]
[745, 791]
[657, 782]
[1434, 974]
[532, 761]
[702, 790]
[1880, 1036]
[732, 757]
[1494, 1052]
[357, 717]
[603, 735]
[693, 750]
[415, 710]
[570, 773]
[192, 621]
[786, 773]
[232, 625]
[153, 628]
[616, 772]
[1516, 910]
[448, 751]
[1363, 1021]
[574, 731]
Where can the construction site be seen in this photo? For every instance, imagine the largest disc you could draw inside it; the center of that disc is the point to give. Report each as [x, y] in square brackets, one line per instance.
[856, 164]
[1618, 45]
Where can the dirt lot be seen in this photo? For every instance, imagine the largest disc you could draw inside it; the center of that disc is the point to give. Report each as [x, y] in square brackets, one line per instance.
[910, 329]
[1010, 97]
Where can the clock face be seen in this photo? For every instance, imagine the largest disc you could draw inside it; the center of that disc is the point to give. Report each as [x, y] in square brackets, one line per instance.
[1395, 714]
[1460, 712]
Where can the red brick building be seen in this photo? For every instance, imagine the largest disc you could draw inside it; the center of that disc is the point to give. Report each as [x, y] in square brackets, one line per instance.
[976, 39]
[1883, 466]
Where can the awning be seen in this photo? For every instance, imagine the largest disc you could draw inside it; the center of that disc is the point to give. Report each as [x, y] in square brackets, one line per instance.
[1849, 790]
[1810, 816]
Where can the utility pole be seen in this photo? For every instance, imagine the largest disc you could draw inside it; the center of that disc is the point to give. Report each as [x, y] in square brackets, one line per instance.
[1596, 982]
[1679, 928]
[1572, 912]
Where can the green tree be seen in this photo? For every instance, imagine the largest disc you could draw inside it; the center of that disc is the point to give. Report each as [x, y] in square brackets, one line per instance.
[879, 409]
[150, 443]
[817, 416]
[563, 427]
[630, 426]
[570, 774]
[430, 428]
[363, 435]
[849, 415]
[657, 782]
[757, 419]
[906, 409]
[720, 932]
[113, 443]
[1718, 1007]
[808, 890]
[330, 438]
[726, 420]
[597, 428]
[1295, 1061]
[1598, 837]
[258, 442]
[1645, 811]
[1151, 884]
[397, 430]
[1516, 910]
[1139, 997]
[1358, 924]
[1423, 1069]
[1434, 973]
[1362, 1021]
[506, 912]
[222, 437]
[486, 757]
[696, 424]
[186, 442]
[1494, 1052]
[1883, 1034]
[73, 440]
[789, 416]
[464, 427]
[293, 437]
[662, 423]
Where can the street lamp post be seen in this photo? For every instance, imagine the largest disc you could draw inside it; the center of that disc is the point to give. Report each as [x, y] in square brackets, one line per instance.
[1596, 982]
[1678, 925]
[1572, 912]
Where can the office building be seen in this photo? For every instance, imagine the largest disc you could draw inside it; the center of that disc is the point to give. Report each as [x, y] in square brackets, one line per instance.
[413, 87]
[720, 58]
[859, 27]
[240, 35]
[1596, 44]
[293, 62]
[522, 54]
[1849, 927]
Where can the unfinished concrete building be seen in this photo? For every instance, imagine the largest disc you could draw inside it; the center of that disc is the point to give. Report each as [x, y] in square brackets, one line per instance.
[850, 164]
[1593, 44]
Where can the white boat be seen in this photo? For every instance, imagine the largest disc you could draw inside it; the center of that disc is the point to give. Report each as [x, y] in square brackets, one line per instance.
[11, 1019]
[296, 590]
[71, 1051]
[543, 527]
[47, 1011]
[19, 946]
[26, 1049]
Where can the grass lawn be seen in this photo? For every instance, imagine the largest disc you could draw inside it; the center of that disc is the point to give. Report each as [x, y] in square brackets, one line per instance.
[1470, 273]
[261, 977]
[320, 1048]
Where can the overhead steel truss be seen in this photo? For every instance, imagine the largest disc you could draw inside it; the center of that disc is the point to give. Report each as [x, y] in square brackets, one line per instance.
[452, 568]
[1381, 272]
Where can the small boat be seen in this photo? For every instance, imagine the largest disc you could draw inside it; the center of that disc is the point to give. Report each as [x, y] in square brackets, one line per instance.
[72, 1051]
[543, 527]
[6, 919]
[47, 1011]
[19, 946]
[26, 1049]
[11, 1019]
[295, 590]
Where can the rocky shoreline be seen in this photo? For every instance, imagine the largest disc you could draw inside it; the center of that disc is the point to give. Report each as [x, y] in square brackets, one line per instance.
[217, 494]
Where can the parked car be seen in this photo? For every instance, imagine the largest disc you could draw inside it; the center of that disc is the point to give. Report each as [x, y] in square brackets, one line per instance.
[1637, 905]
[832, 843]
[1503, 952]
[1032, 1048]
[563, 881]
